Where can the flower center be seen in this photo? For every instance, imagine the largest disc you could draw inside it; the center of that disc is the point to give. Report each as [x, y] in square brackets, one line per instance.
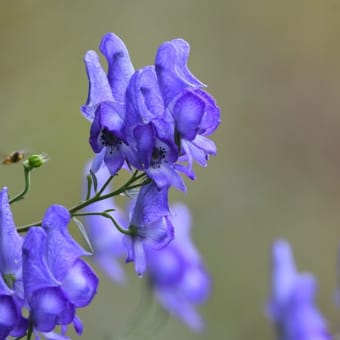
[109, 140]
[158, 155]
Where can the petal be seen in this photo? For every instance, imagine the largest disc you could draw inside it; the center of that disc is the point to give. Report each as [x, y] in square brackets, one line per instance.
[80, 284]
[151, 205]
[144, 100]
[180, 307]
[99, 87]
[120, 68]
[165, 176]
[36, 273]
[63, 250]
[10, 240]
[211, 118]
[172, 71]
[139, 257]
[188, 112]
[9, 315]
[114, 160]
[49, 307]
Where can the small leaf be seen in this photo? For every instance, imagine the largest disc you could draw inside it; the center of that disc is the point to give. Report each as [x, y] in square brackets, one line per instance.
[83, 231]
[94, 181]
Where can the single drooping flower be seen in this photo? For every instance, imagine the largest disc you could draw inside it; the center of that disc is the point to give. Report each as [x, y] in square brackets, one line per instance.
[56, 280]
[177, 274]
[105, 106]
[195, 112]
[291, 306]
[149, 225]
[150, 130]
[105, 239]
[11, 290]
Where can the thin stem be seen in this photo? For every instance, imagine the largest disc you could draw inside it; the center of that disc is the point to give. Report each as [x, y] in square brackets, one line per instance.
[27, 172]
[125, 187]
[106, 215]
[104, 186]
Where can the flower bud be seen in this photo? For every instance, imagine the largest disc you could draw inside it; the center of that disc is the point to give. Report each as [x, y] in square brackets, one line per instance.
[36, 161]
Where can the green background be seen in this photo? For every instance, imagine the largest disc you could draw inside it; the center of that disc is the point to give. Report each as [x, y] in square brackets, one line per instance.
[274, 68]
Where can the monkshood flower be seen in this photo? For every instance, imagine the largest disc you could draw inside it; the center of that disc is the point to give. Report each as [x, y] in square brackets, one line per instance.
[105, 106]
[11, 288]
[195, 111]
[150, 130]
[291, 306]
[105, 239]
[149, 225]
[56, 280]
[177, 274]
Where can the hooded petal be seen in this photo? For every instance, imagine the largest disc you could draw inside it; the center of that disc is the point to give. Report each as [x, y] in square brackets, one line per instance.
[120, 68]
[63, 250]
[99, 87]
[10, 240]
[172, 71]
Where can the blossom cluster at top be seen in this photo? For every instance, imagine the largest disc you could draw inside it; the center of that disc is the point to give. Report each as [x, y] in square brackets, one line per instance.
[155, 120]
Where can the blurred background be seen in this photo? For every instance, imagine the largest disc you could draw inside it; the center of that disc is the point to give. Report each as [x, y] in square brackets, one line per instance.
[274, 68]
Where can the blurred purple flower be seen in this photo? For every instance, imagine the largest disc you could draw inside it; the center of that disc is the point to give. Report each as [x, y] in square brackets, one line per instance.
[149, 225]
[291, 306]
[56, 281]
[177, 274]
[105, 239]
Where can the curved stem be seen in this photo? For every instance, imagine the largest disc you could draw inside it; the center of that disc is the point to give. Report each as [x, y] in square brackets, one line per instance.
[21, 195]
[106, 215]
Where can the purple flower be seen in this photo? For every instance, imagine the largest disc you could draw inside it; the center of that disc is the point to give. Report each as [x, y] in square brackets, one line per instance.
[149, 225]
[195, 111]
[11, 289]
[105, 106]
[105, 239]
[56, 281]
[177, 274]
[291, 306]
[150, 130]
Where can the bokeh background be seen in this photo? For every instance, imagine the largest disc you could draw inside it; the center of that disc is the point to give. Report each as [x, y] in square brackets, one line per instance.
[274, 68]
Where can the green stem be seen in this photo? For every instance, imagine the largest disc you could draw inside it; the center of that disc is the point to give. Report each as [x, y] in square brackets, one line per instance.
[96, 198]
[106, 215]
[21, 195]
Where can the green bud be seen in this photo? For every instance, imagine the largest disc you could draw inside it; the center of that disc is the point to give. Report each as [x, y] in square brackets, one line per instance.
[35, 161]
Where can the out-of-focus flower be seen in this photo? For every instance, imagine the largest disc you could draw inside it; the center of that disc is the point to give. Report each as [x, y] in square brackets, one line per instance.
[149, 225]
[105, 239]
[177, 274]
[291, 306]
[11, 288]
[56, 281]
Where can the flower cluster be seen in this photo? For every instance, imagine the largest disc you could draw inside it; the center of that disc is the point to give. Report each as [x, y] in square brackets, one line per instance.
[41, 274]
[155, 120]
